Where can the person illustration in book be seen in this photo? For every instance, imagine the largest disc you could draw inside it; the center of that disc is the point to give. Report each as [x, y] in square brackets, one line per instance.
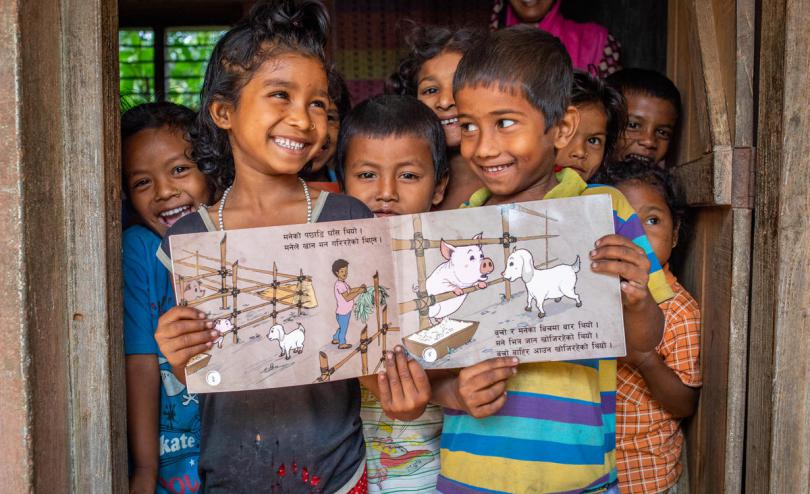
[344, 296]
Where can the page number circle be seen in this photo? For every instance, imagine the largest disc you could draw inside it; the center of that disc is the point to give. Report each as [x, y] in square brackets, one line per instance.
[213, 378]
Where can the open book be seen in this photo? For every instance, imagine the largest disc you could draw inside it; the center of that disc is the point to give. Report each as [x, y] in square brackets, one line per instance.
[310, 303]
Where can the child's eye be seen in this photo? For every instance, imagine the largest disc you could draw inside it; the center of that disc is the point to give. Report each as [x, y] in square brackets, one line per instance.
[505, 123]
[180, 169]
[320, 104]
[633, 125]
[430, 90]
[595, 141]
[469, 127]
[139, 184]
[652, 220]
[409, 176]
[280, 95]
[664, 134]
[332, 117]
[366, 175]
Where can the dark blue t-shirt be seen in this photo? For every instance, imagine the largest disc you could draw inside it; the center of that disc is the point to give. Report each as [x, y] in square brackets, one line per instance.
[148, 294]
[298, 439]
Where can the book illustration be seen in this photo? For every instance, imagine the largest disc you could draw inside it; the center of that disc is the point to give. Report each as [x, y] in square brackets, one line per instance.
[311, 303]
[542, 284]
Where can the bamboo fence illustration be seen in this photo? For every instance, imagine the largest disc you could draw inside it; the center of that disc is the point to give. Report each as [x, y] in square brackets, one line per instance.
[419, 244]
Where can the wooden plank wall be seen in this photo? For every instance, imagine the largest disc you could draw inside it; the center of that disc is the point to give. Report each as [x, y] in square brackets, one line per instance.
[713, 172]
[60, 205]
[777, 449]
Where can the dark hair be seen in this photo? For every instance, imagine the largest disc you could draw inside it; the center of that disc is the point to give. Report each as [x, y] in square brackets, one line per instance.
[590, 90]
[339, 92]
[155, 116]
[525, 59]
[424, 43]
[393, 115]
[646, 82]
[616, 173]
[337, 265]
[272, 28]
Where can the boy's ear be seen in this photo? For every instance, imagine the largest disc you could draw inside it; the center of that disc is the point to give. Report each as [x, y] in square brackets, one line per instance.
[220, 112]
[566, 127]
[439, 189]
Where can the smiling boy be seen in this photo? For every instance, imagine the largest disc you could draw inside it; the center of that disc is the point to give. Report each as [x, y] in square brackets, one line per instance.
[540, 427]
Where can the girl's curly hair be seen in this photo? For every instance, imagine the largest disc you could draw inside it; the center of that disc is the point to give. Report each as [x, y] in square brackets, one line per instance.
[272, 28]
[424, 43]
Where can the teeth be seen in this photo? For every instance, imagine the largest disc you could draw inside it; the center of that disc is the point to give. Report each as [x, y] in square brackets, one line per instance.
[289, 144]
[450, 121]
[495, 169]
[643, 159]
[174, 211]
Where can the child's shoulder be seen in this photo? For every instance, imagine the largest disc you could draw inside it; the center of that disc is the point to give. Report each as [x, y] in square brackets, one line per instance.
[336, 207]
[621, 205]
[683, 305]
[139, 235]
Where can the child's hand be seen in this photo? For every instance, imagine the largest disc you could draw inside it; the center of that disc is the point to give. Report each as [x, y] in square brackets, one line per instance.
[404, 389]
[481, 388]
[619, 256]
[143, 481]
[643, 320]
[182, 333]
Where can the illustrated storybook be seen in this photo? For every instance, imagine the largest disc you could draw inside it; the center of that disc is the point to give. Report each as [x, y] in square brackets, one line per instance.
[317, 302]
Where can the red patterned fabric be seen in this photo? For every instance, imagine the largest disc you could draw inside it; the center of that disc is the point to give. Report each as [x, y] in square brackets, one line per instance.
[362, 484]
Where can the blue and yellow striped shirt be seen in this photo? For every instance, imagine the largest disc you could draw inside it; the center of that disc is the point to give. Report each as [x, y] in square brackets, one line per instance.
[557, 431]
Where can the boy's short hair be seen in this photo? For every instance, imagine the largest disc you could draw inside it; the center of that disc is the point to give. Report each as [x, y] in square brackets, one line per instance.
[616, 173]
[590, 90]
[646, 82]
[154, 116]
[521, 58]
[338, 265]
[393, 115]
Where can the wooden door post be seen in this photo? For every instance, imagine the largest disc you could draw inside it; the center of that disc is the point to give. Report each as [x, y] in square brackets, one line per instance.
[62, 406]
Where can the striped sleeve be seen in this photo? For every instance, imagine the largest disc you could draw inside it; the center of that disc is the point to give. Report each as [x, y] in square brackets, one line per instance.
[628, 225]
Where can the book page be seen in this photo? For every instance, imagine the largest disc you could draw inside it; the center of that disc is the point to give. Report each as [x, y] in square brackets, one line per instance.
[297, 304]
[512, 280]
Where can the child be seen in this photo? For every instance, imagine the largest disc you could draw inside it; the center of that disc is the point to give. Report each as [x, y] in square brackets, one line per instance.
[344, 298]
[590, 45]
[262, 119]
[391, 155]
[601, 118]
[654, 395]
[540, 427]
[322, 172]
[653, 111]
[161, 185]
[427, 73]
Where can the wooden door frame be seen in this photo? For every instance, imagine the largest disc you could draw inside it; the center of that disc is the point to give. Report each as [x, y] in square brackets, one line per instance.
[61, 414]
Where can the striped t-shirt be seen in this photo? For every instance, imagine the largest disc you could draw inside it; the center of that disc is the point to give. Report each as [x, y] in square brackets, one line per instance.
[557, 431]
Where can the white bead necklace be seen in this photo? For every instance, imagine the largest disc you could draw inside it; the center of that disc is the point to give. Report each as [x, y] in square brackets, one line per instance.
[306, 195]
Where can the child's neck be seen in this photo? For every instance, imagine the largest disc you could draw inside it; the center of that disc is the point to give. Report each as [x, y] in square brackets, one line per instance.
[463, 182]
[534, 192]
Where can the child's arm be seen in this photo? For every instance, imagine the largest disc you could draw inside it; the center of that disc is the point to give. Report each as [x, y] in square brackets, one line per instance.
[478, 390]
[182, 333]
[352, 293]
[643, 319]
[143, 397]
[676, 397]
[403, 388]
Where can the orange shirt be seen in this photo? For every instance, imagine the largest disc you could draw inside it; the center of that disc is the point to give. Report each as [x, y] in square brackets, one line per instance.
[648, 438]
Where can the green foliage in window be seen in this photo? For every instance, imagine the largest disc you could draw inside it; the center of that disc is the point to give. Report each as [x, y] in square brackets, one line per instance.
[187, 54]
[136, 66]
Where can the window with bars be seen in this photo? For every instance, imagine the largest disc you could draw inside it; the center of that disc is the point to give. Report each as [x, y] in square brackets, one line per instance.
[164, 63]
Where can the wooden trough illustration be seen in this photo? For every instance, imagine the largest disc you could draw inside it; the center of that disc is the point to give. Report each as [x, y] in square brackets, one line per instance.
[282, 292]
[438, 341]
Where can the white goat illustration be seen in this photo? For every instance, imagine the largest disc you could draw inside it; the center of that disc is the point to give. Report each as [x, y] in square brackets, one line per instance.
[289, 342]
[542, 284]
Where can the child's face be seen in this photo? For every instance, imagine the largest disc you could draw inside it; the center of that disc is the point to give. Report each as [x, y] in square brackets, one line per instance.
[587, 148]
[327, 151]
[435, 89]
[392, 175]
[279, 122]
[503, 138]
[531, 10]
[343, 273]
[655, 216]
[162, 183]
[651, 124]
